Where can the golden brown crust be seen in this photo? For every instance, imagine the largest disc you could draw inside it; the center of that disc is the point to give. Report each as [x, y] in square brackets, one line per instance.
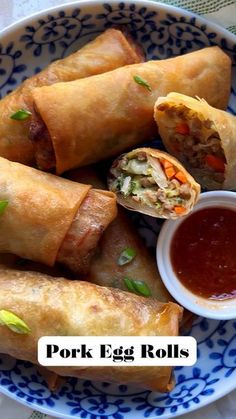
[109, 50]
[58, 307]
[105, 271]
[116, 113]
[41, 208]
[95, 214]
[51, 219]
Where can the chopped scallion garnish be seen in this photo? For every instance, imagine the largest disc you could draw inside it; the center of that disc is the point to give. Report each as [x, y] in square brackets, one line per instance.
[142, 82]
[13, 322]
[3, 205]
[129, 285]
[138, 287]
[126, 256]
[21, 115]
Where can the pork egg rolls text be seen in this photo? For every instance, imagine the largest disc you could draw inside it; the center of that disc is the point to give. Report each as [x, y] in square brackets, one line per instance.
[109, 50]
[106, 114]
[49, 219]
[154, 183]
[202, 137]
[59, 307]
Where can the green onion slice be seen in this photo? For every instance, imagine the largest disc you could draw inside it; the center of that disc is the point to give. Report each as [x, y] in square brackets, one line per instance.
[3, 205]
[13, 322]
[138, 287]
[142, 82]
[21, 114]
[126, 256]
[129, 284]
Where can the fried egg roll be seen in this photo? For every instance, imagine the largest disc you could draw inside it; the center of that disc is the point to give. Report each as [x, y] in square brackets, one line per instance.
[59, 307]
[108, 113]
[50, 219]
[154, 183]
[105, 269]
[108, 51]
[121, 234]
[202, 137]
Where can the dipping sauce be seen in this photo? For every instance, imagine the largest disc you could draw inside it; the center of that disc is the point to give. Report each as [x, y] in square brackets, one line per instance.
[203, 253]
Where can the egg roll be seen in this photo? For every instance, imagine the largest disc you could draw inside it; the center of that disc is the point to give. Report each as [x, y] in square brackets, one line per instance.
[50, 219]
[59, 307]
[121, 234]
[202, 137]
[109, 50]
[152, 182]
[108, 113]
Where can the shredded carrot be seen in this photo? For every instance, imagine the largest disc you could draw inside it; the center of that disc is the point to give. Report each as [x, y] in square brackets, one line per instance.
[181, 177]
[179, 210]
[216, 163]
[182, 128]
[170, 172]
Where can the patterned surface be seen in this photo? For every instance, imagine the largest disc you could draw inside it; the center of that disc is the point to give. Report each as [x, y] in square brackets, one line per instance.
[163, 34]
[216, 363]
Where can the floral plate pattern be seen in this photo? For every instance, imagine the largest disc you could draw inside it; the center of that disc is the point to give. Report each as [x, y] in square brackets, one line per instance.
[163, 31]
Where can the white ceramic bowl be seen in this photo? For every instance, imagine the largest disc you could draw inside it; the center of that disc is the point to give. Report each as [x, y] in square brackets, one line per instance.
[214, 309]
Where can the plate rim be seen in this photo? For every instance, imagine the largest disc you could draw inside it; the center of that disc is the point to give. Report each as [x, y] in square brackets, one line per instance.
[49, 411]
[83, 3]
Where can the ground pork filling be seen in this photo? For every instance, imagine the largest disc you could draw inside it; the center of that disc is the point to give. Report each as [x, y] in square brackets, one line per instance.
[152, 182]
[197, 141]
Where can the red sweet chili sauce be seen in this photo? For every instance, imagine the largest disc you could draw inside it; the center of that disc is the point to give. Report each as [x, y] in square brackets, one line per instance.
[203, 253]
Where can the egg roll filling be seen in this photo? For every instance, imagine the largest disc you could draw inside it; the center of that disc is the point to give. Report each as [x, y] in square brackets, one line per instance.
[152, 182]
[197, 141]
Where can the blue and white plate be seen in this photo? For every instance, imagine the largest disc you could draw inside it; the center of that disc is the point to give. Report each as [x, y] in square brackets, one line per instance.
[164, 31]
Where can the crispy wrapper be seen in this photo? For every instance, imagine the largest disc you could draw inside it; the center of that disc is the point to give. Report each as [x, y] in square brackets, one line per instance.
[135, 205]
[106, 114]
[45, 218]
[59, 307]
[223, 123]
[108, 51]
[95, 214]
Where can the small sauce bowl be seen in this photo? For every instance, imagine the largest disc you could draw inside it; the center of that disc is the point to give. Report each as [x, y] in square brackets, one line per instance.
[206, 307]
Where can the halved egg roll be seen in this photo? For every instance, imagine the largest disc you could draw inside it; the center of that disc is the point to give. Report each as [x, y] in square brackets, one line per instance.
[106, 266]
[49, 219]
[59, 307]
[152, 182]
[109, 50]
[122, 258]
[106, 114]
[202, 137]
